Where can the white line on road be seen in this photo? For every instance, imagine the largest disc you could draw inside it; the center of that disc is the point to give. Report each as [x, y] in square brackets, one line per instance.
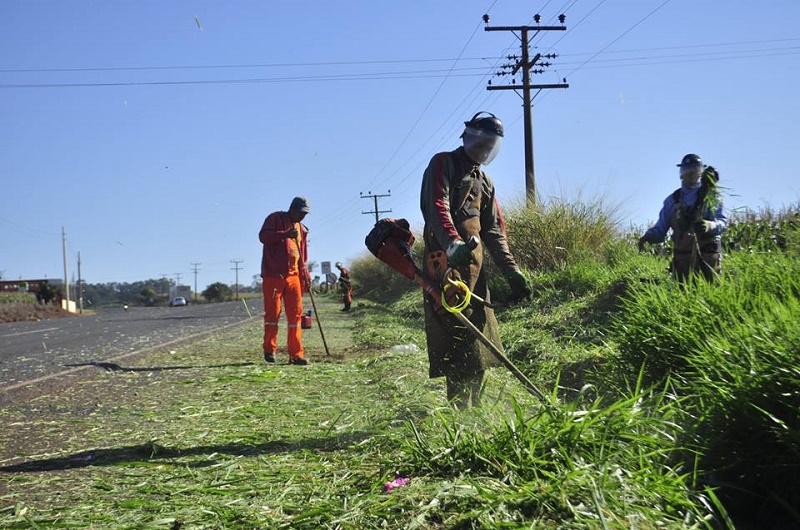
[28, 332]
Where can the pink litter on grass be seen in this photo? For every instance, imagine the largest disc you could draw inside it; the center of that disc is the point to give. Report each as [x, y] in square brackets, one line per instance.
[396, 483]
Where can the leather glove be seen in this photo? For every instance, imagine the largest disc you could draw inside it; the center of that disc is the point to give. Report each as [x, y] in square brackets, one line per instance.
[711, 174]
[290, 234]
[642, 240]
[520, 288]
[704, 226]
[459, 254]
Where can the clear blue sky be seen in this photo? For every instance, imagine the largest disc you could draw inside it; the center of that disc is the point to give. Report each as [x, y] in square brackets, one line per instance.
[160, 134]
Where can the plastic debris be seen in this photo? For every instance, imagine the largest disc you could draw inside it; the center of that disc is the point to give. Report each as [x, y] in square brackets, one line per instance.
[396, 483]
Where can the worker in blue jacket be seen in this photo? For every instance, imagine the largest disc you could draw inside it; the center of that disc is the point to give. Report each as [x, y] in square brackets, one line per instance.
[694, 214]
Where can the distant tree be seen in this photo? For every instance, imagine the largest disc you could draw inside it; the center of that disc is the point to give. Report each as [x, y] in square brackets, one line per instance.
[217, 292]
[148, 296]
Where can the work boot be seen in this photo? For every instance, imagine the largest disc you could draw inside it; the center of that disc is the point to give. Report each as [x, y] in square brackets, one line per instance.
[269, 357]
[300, 361]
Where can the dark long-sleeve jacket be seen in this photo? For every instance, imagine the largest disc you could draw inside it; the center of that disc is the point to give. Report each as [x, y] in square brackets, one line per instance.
[449, 190]
[458, 201]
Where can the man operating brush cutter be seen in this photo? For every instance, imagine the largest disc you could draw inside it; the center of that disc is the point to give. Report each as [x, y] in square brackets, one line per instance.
[390, 241]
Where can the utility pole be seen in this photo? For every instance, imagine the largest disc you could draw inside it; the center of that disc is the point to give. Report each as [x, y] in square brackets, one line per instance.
[376, 211]
[236, 268]
[525, 63]
[195, 270]
[66, 277]
[80, 286]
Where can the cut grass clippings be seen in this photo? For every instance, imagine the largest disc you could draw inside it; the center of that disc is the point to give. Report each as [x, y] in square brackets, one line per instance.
[210, 436]
[230, 443]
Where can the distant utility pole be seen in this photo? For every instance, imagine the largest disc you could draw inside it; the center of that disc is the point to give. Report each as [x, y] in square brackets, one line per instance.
[195, 270]
[80, 286]
[525, 63]
[376, 211]
[237, 268]
[66, 277]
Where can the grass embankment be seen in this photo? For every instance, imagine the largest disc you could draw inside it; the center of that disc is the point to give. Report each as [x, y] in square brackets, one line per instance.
[670, 408]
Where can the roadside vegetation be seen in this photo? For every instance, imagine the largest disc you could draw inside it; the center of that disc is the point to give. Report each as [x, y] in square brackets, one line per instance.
[667, 407]
[21, 307]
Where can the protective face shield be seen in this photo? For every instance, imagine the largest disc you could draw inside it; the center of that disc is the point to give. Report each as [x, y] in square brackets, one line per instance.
[481, 146]
[690, 175]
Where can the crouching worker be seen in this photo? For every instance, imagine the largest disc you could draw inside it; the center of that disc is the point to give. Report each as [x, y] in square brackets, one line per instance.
[458, 202]
[285, 277]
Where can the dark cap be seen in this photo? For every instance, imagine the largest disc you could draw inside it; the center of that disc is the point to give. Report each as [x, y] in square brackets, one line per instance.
[690, 160]
[300, 204]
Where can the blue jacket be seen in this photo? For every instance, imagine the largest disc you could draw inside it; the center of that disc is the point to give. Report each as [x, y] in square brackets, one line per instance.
[688, 197]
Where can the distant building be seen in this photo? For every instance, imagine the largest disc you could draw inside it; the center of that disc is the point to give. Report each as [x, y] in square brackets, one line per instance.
[28, 286]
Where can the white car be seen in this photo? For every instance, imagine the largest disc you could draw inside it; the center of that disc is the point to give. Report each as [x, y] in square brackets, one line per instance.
[178, 300]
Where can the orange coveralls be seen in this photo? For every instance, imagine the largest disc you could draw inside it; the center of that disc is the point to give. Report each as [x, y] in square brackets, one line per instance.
[284, 278]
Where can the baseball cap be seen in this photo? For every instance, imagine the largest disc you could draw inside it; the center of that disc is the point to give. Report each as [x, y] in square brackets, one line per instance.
[300, 204]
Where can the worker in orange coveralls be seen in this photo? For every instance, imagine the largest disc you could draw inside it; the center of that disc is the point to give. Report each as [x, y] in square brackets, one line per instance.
[345, 286]
[285, 277]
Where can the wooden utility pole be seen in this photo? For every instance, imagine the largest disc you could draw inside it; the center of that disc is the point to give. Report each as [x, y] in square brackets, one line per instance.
[237, 268]
[376, 211]
[79, 287]
[525, 64]
[66, 277]
[195, 270]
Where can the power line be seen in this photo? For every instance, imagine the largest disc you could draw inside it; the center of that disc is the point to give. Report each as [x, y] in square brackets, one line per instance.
[604, 48]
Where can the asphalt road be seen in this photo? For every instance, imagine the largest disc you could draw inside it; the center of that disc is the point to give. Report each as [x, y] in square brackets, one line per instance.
[31, 350]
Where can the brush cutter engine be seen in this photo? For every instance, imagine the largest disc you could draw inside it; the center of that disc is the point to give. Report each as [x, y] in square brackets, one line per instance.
[390, 240]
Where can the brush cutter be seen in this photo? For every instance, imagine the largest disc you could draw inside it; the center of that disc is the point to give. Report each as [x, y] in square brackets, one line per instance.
[390, 240]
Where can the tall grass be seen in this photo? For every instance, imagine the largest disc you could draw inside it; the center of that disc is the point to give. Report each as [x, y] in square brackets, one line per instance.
[733, 349]
[764, 230]
[549, 234]
[581, 465]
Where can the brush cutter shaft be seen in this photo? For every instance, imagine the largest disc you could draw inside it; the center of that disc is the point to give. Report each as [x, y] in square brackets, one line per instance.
[529, 386]
[505, 361]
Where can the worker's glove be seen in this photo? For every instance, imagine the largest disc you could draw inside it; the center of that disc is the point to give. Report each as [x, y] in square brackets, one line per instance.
[520, 289]
[710, 174]
[290, 234]
[459, 254]
[305, 281]
[704, 226]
